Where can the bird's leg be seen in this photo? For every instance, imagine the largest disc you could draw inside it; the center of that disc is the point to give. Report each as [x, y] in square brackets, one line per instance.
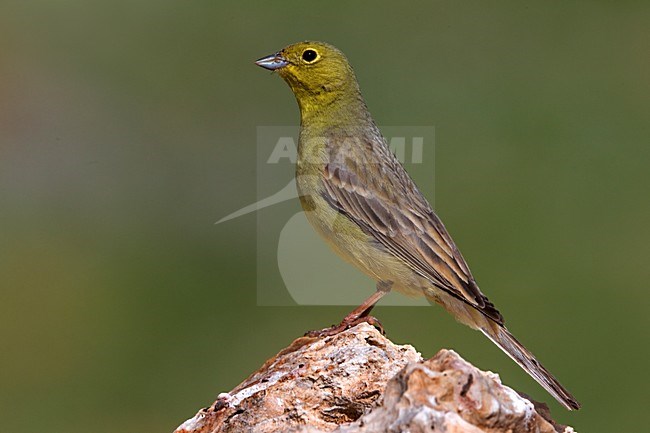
[358, 315]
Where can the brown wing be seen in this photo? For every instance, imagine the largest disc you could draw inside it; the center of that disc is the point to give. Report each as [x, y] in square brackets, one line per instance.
[366, 182]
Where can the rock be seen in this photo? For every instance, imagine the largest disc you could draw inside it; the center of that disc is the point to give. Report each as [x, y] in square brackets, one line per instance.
[447, 394]
[359, 381]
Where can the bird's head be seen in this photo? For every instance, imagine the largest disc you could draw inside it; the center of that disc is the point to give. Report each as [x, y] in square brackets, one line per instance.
[317, 72]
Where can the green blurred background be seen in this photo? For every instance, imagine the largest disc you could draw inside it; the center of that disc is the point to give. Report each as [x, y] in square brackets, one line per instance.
[128, 128]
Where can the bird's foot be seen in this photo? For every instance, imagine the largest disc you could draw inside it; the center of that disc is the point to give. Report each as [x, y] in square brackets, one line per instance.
[344, 325]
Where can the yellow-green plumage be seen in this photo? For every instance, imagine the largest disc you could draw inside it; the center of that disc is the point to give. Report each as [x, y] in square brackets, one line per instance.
[360, 199]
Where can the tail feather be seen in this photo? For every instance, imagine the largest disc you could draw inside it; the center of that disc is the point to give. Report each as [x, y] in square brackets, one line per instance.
[526, 360]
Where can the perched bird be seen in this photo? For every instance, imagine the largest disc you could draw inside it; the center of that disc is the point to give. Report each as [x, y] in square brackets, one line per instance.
[359, 198]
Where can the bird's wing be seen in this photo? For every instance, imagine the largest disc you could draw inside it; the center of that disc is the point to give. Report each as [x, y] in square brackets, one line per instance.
[364, 181]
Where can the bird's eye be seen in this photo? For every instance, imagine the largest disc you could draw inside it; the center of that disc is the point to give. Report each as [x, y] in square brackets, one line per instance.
[309, 55]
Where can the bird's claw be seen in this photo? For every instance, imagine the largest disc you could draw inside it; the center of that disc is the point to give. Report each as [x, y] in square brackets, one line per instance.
[344, 325]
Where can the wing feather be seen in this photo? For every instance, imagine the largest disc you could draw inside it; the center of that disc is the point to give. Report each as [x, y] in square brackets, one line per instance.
[391, 209]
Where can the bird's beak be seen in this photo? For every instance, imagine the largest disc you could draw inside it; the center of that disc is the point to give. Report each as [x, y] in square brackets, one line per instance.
[272, 62]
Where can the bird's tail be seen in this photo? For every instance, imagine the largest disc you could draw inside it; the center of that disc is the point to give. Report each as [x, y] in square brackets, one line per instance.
[526, 360]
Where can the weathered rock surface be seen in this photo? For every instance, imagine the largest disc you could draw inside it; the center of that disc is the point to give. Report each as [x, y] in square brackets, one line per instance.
[359, 381]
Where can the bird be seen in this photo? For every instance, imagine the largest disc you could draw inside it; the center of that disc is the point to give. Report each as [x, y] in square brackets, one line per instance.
[360, 199]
